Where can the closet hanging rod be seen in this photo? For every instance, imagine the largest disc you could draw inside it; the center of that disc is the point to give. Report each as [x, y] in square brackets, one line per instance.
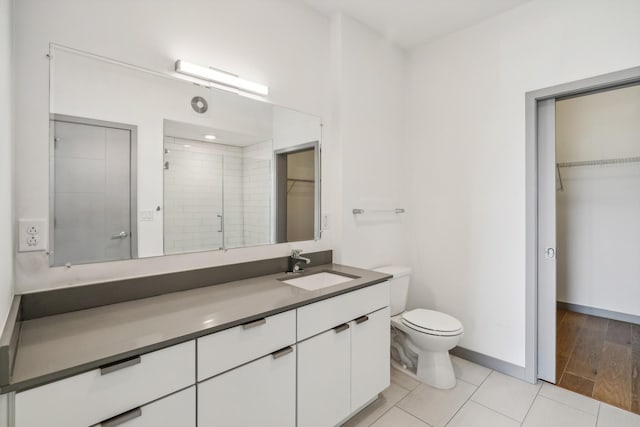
[300, 180]
[361, 211]
[599, 162]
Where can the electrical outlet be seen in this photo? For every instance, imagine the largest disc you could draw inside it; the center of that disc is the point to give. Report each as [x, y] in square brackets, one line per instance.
[32, 235]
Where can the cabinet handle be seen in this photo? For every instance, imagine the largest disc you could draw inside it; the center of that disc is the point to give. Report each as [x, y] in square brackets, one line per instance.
[283, 352]
[341, 328]
[254, 323]
[107, 369]
[122, 418]
[361, 319]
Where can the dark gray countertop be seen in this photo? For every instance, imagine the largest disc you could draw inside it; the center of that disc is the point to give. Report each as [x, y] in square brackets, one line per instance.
[55, 347]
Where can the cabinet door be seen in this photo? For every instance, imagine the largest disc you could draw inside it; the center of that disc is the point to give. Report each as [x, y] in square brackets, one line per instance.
[370, 364]
[178, 409]
[261, 393]
[323, 378]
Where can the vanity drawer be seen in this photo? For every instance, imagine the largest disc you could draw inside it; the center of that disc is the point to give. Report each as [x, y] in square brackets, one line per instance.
[97, 395]
[227, 349]
[323, 315]
[178, 409]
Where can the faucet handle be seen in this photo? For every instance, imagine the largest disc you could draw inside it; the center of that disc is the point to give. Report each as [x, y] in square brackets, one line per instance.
[295, 252]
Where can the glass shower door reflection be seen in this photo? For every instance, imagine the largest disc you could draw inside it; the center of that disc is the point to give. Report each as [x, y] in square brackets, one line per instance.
[193, 198]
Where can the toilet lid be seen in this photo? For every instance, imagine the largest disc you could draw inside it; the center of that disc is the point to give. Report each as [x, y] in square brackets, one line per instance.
[430, 321]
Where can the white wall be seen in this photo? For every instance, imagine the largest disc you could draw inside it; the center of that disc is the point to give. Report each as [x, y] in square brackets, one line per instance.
[6, 164]
[466, 137]
[598, 210]
[256, 45]
[370, 74]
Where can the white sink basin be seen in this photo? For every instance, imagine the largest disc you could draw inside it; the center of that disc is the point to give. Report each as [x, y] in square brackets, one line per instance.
[316, 281]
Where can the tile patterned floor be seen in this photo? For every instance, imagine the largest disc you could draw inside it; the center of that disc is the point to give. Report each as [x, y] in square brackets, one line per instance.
[486, 398]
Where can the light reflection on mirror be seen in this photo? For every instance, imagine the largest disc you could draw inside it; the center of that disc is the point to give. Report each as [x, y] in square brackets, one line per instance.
[196, 181]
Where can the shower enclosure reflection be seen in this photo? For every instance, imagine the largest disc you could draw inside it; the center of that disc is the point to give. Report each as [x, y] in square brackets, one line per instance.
[216, 192]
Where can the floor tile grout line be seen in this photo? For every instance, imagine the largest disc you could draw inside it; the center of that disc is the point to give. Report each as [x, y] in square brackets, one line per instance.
[417, 418]
[402, 387]
[392, 406]
[598, 414]
[388, 409]
[468, 398]
[531, 404]
[497, 412]
[570, 406]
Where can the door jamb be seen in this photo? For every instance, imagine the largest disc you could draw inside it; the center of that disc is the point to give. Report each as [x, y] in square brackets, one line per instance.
[576, 88]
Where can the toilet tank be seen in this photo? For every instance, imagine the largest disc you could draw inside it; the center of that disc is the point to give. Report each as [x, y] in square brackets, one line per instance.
[399, 286]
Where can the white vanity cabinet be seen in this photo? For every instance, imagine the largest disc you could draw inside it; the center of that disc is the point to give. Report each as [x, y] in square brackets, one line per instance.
[247, 374]
[346, 365]
[311, 366]
[261, 393]
[111, 391]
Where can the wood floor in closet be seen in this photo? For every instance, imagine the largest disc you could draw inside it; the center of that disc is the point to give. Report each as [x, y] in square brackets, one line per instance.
[599, 358]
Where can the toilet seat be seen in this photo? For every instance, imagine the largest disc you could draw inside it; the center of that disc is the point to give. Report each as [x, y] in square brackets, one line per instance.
[432, 322]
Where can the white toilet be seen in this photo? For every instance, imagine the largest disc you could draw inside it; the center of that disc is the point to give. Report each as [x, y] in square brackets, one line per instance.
[420, 338]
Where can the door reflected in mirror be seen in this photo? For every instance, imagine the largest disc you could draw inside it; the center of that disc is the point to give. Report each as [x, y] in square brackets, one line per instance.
[93, 194]
[202, 172]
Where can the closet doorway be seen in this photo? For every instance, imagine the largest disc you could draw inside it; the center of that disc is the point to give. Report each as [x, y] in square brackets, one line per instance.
[588, 241]
[598, 245]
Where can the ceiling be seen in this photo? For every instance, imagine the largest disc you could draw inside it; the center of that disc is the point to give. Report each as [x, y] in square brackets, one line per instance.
[197, 133]
[413, 22]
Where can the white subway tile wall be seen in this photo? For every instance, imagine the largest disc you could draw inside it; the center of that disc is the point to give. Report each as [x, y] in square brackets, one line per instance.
[257, 189]
[205, 181]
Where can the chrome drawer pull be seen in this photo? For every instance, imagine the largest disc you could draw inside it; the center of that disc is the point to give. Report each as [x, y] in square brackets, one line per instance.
[254, 323]
[341, 328]
[361, 319]
[282, 352]
[122, 418]
[107, 369]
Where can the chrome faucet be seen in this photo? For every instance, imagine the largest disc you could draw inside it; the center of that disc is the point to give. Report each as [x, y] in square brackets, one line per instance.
[295, 260]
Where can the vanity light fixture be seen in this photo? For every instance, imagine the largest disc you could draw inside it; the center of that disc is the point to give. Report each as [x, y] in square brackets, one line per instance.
[210, 137]
[220, 77]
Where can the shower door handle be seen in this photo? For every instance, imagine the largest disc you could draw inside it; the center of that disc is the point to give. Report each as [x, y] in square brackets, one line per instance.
[221, 223]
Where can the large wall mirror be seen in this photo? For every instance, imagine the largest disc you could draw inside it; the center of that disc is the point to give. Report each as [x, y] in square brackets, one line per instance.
[144, 164]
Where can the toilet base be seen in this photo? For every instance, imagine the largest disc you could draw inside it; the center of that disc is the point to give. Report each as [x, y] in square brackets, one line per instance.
[441, 382]
[435, 368]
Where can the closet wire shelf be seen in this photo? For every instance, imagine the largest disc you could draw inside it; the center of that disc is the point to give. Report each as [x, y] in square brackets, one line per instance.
[618, 161]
